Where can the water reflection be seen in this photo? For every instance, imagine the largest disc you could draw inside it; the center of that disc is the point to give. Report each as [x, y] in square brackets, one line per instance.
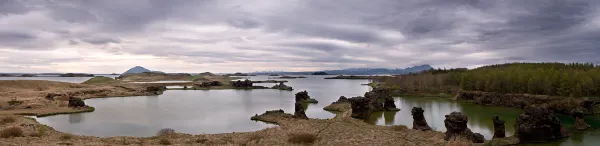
[480, 117]
[75, 118]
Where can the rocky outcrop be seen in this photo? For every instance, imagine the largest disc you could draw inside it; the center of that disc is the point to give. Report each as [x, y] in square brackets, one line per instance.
[282, 86]
[556, 104]
[341, 105]
[299, 111]
[376, 100]
[242, 84]
[538, 124]
[499, 129]
[272, 116]
[360, 107]
[419, 122]
[209, 84]
[456, 126]
[155, 90]
[76, 102]
[580, 123]
[302, 97]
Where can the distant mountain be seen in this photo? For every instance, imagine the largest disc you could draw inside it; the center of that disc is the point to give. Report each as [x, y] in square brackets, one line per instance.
[358, 71]
[137, 69]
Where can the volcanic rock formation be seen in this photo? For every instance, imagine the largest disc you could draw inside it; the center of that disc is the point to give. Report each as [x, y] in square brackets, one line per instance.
[580, 124]
[538, 124]
[499, 129]
[299, 111]
[456, 126]
[419, 122]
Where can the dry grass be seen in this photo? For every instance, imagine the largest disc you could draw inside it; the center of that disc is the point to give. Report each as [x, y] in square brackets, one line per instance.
[399, 127]
[7, 119]
[165, 132]
[164, 141]
[11, 132]
[65, 137]
[303, 138]
[256, 137]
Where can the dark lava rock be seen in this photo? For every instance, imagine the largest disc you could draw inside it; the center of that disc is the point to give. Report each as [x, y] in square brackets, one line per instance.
[282, 86]
[76, 102]
[419, 122]
[499, 129]
[242, 84]
[155, 90]
[456, 126]
[342, 99]
[299, 111]
[381, 100]
[538, 124]
[303, 97]
[210, 83]
[580, 124]
[360, 107]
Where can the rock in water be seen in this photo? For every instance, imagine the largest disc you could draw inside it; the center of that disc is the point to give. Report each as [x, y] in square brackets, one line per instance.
[499, 129]
[538, 124]
[242, 84]
[419, 122]
[360, 107]
[381, 100]
[580, 124]
[456, 126]
[76, 102]
[299, 111]
[302, 96]
[155, 90]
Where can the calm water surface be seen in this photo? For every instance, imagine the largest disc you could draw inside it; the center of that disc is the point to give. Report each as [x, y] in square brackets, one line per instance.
[220, 111]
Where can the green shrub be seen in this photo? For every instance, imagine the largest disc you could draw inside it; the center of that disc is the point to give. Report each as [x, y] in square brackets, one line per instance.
[165, 132]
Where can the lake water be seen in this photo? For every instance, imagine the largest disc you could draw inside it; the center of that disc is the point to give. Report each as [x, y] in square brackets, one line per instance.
[221, 111]
[56, 78]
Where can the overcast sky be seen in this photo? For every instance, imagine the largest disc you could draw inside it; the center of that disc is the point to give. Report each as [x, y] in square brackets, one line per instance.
[106, 36]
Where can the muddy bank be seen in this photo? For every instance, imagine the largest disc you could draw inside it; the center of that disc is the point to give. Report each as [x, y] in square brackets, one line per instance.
[557, 104]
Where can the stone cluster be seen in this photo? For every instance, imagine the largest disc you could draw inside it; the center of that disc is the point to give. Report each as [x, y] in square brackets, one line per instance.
[373, 101]
[242, 84]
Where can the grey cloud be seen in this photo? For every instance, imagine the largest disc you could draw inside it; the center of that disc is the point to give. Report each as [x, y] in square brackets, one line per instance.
[101, 40]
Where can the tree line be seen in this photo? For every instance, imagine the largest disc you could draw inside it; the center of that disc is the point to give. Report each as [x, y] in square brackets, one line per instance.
[556, 79]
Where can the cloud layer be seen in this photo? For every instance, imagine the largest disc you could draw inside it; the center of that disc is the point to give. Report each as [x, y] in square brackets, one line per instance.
[296, 35]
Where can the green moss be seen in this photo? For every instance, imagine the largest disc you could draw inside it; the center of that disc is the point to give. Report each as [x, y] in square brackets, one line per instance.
[100, 80]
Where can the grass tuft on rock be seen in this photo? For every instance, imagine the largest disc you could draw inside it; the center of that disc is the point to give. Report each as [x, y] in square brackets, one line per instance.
[65, 137]
[165, 132]
[11, 132]
[303, 138]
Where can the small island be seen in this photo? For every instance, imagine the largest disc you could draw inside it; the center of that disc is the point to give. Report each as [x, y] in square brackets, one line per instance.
[76, 75]
[289, 77]
[351, 77]
[239, 74]
[6, 75]
[28, 75]
[320, 73]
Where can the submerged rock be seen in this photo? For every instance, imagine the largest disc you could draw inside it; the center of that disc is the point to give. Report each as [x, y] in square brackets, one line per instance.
[456, 126]
[580, 123]
[360, 107]
[538, 124]
[419, 122]
[302, 97]
[499, 129]
[76, 102]
[299, 111]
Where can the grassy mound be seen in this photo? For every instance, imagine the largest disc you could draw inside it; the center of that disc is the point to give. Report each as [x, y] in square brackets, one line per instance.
[100, 80]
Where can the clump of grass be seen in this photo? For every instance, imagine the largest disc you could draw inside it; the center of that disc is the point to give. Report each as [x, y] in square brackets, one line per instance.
[303, 138]
[14, 102]
[399, 127]
[201, 140]
[165, 132]
[256, 137]
[11, 132]
[7, 119]
[65, 137]
[164, 141]
[41, 130]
